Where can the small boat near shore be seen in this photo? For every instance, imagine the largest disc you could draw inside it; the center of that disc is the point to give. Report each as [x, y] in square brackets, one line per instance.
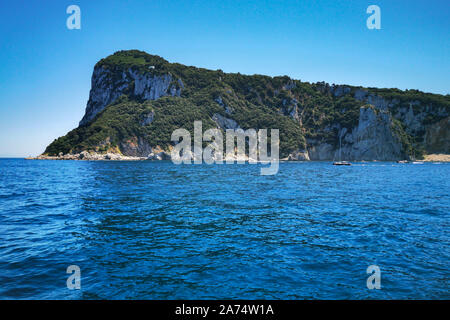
[341, 163]
[402, 161]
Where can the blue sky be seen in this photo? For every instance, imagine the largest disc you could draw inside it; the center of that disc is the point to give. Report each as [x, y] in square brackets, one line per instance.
[46, 68]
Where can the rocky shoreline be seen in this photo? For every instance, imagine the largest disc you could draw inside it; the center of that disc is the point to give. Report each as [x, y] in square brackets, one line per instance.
[163, 155]
[94, 156]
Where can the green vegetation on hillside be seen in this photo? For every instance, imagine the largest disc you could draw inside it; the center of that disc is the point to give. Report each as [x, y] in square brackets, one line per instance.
[301, 110]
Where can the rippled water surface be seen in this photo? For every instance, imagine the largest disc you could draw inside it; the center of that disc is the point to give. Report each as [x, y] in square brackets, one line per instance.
[155, 230]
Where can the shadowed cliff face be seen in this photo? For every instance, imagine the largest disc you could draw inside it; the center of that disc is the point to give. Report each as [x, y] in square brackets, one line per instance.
[372, 138]
[378, 135]
[437, 137]
[137, 100]
[428, 122]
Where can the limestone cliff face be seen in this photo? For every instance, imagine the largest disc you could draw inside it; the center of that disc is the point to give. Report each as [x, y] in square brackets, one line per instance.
[107, 85]
[377, 135]
[415, 117]
[373, 138]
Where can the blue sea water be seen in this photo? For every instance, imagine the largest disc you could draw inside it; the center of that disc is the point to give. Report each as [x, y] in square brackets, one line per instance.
[155, 230]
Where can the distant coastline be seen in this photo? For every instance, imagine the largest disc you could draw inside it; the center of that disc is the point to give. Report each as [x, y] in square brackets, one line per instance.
[119, 157]
[137, 100]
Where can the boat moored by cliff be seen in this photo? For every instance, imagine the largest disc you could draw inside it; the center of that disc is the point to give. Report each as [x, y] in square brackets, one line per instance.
[341, 163]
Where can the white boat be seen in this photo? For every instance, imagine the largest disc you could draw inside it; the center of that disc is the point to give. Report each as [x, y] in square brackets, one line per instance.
[340, 162]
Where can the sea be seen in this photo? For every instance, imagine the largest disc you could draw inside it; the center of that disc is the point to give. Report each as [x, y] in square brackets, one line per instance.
[156, 230]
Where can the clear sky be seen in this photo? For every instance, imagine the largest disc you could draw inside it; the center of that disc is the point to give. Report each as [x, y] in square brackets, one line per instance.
[46, 69]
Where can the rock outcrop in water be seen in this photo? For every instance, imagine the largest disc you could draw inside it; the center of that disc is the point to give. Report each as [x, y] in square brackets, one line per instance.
[137, 100]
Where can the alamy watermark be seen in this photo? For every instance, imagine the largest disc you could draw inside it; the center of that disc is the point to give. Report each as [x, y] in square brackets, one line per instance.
[374, 20]
[74, 20]
[74, 280]
[257, 142]
[374, 280]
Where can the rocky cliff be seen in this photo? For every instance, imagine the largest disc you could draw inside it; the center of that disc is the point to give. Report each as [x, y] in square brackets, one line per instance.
[137, 100]
[108, 85]
[373, 138]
